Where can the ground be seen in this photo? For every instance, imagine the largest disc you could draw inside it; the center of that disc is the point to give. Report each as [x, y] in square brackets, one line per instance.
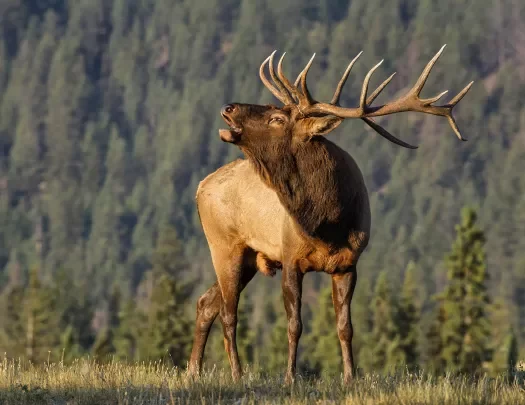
[85, 382]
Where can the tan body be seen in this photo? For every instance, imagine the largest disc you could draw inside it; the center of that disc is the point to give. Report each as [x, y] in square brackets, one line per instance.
[237, 208]
[298, 202]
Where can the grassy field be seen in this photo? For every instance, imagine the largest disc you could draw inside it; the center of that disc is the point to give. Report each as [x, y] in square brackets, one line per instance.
[86, 382]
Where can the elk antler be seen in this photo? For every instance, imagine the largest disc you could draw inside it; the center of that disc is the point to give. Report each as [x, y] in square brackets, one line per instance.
[291, 94]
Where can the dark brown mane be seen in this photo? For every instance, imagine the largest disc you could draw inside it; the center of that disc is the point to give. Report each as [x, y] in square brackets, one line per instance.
[308, 182]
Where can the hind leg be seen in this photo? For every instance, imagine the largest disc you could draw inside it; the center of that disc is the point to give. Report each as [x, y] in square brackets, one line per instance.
[235, 271]
[208, 307]
[343, 286]
[235, 267]
[292, 286]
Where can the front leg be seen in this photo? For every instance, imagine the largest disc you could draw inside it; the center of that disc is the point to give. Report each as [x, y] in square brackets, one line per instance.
[292, 285]
[343, 286]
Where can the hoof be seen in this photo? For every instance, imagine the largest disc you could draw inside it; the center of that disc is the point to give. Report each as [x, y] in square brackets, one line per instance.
[236, 376]
[348, 378]
[193, 371]
[289, 379]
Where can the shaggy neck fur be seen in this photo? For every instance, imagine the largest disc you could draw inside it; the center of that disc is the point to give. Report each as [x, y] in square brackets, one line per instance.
[308, 179]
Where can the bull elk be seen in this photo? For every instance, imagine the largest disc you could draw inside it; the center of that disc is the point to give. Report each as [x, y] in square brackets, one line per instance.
[298, 202]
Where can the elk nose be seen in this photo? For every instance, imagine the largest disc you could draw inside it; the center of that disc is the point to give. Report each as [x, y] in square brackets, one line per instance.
[227, 109]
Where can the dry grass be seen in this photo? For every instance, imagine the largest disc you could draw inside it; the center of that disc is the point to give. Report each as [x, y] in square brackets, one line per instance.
[86, 382]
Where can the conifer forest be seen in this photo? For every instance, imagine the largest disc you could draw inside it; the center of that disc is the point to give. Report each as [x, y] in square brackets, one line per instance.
[109, 119]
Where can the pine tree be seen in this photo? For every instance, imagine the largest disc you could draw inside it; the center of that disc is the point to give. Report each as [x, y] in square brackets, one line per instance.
[13, 336]
[103, 347]
[76, 312]
[503, 339]
[518, 299]
[276, 348]
[67, 88]
[434, 361]
[465, 331]
[245, 332]
[511, 350]
[385, 339]
[322, 343]
[41, 320]
[168, 256]
[408, 318]
[106, 248]
[125, 334]
[362, 323]
[165, 333]
[69, 345]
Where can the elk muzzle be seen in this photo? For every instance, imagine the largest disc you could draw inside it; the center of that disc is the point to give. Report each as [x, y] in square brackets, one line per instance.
[233, 134]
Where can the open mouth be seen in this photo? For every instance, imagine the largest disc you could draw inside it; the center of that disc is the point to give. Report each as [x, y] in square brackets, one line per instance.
[233, 127]
[231, 135]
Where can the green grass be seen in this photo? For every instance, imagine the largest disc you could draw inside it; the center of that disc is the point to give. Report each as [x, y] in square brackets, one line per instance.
[86, 382]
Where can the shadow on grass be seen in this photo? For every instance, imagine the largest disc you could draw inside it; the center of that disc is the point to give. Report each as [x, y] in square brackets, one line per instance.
[196, 392]
[122, 395]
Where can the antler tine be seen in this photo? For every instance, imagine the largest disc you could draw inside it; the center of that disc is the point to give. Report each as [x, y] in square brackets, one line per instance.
[340, 85]
[298, 80]
[455, 128]
[282, 88]
[431, 100]
[304, 87]
[461, 94]
[289, 86]
[384, 133]
[268, 84]
[452, 103]
[376, 92]
[364, 90]
[416, 90]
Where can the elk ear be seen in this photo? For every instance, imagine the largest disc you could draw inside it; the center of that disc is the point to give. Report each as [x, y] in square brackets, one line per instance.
[320, 125]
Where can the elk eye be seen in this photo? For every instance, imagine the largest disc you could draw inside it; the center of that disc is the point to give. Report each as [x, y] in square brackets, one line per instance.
[276, 120]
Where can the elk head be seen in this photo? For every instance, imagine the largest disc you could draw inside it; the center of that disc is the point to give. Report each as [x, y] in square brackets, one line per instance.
[250, 124]
[302, 118]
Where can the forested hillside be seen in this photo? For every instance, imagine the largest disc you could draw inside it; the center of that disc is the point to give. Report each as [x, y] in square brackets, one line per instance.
[109, 118]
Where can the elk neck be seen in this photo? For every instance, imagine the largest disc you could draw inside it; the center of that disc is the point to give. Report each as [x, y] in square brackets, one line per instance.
[313, 183]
